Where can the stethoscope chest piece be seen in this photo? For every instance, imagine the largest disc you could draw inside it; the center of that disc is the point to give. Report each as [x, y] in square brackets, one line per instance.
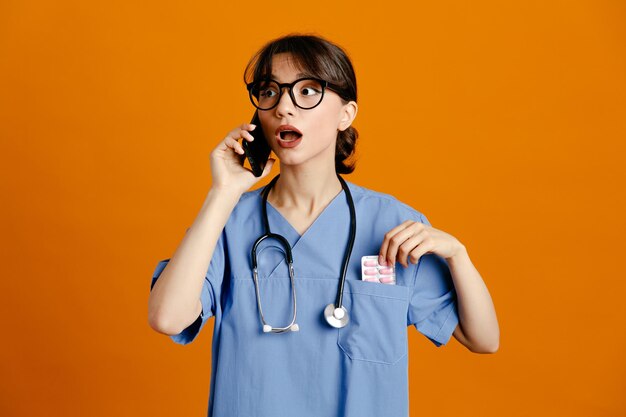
[336, 317]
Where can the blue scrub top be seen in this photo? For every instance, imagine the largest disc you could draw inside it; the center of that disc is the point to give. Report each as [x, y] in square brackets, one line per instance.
[359, 370]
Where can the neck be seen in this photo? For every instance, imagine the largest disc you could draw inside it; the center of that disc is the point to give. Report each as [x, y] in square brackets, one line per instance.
[305, 190]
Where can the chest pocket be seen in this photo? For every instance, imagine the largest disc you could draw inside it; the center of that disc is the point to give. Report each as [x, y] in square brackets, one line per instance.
[377, 331]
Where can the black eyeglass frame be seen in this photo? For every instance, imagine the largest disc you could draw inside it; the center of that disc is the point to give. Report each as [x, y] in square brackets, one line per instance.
[281, 86]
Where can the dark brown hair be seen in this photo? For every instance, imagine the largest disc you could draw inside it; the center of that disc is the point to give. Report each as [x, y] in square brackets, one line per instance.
[320, 58]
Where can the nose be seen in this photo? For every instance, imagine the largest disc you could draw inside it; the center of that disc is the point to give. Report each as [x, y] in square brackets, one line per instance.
[285, 105]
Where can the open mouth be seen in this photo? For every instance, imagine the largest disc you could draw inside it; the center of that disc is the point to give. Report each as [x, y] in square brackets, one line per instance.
[289, 135]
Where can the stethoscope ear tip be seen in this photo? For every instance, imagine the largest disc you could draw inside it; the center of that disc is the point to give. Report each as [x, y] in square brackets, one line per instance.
[269, 329]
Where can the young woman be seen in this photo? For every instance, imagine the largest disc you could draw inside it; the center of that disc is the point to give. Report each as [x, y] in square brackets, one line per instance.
[312, 337]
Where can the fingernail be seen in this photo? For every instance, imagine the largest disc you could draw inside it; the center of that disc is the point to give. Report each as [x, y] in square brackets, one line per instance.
[253, 125]
[381, 260]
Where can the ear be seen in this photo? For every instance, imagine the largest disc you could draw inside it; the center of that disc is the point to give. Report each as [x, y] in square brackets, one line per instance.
[348, 113]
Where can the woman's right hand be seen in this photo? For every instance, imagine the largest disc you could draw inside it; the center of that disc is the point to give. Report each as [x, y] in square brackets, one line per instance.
[227, 160]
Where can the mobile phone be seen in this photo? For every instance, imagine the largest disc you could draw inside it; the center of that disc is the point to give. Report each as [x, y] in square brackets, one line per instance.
[257, 151]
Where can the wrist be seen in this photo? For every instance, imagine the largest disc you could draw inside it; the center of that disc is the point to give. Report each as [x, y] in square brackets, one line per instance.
[460, 252]
[225, 195]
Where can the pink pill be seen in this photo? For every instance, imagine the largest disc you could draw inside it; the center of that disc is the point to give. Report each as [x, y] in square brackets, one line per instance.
[370, 271]
[386, 280]
[370, 263]
[386, 271]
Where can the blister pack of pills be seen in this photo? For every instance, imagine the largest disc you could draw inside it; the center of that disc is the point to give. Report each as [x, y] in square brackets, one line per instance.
[372, 271]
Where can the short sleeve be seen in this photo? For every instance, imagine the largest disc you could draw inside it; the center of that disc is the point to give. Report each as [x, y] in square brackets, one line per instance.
[433, 306]
[211, 289]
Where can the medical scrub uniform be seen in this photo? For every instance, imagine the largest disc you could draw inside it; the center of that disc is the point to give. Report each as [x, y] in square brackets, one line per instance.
[359, 370]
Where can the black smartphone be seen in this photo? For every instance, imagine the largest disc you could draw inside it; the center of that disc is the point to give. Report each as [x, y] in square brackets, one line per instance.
[257, 151]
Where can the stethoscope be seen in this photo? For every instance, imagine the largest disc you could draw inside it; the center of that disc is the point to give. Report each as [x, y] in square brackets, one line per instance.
[336, 314]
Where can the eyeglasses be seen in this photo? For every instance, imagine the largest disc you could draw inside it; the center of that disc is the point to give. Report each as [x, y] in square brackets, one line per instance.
[305, 93]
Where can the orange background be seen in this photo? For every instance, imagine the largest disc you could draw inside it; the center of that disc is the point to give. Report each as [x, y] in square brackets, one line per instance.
[504, 123]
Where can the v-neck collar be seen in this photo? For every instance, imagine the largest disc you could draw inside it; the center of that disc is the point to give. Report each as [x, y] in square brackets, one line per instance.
[280, 225]
[312, 225]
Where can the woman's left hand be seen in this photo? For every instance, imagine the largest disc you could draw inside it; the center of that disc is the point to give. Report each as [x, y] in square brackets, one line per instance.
[410, 240]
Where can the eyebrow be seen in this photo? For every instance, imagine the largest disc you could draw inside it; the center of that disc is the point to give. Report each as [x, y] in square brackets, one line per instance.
[298, 75]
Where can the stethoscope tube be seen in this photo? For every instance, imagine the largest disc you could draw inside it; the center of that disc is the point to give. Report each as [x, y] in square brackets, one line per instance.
[336, 314]
[266, 327]
[346, 258]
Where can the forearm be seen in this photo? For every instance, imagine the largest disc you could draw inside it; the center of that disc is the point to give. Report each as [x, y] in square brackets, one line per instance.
[477, 315]
[174, 299]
